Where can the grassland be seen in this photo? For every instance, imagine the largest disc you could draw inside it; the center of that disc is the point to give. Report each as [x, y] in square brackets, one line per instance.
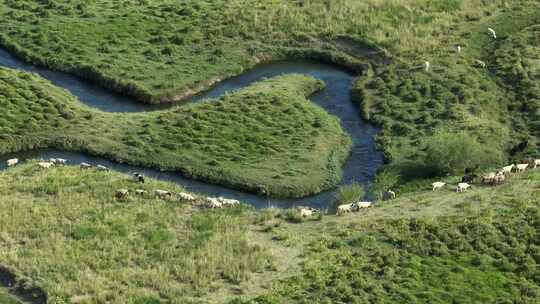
[167, 50]
[266, 136]
[64, 233]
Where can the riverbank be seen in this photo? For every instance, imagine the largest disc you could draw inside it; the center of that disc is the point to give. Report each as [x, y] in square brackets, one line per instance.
[245, 140]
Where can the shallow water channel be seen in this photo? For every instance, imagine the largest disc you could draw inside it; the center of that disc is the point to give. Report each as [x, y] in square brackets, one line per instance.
[335, 99]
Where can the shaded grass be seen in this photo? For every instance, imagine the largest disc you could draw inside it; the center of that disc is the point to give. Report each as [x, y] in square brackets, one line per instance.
[267, 136]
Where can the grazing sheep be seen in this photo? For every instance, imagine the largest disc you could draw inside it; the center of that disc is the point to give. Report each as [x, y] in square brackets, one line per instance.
[140, 192]
[85, 166]
[426, 66]
[213, 203]
[186, 197]
[492, 33]
[480, 63]
[507, 169]
[228, 202]
[389, 195]
[536, 163]
[162, 194]
[521, 167]
[437, 186]
[499, 179]
[45, 165]
[488, 178]
[362, 205]
[461, 187]
[138, 177]
[341, 209]
[102, 168]
[12, 162]
[122, 193]
[306, 211]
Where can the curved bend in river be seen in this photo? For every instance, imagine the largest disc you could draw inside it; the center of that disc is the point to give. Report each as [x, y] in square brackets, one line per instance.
[335, 99]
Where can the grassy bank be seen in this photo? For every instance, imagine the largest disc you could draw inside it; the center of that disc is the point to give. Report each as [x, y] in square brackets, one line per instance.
[64, 233]
[498, 103]
[265, 136]
[165, 50]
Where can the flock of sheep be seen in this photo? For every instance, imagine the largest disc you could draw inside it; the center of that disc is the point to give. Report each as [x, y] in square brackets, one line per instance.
[491, 178]
[209, 202]
[479, 63]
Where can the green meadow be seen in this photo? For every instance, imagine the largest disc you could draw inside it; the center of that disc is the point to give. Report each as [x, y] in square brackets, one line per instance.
[268, 136]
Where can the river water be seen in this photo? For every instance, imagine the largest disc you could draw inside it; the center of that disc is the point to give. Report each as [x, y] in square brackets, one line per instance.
[361, 166]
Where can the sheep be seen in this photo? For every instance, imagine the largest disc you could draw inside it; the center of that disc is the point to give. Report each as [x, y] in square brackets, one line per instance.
[458, 49]
[346, 208]
[102, 168]
[138, 177]
[140, 192]
[228, 202]
[85, 166]
[521, 167]
[507, 169]
[389, 194]
[488, 178]
[186, 197]
[162, 193]
[461, 187]
[60, 162]
[45, 165]
[437, 186]
[426, 66]
[213, 203]
[492, 33]
[12, 162]
[480, 63]
[536, 163]
[122, 193]
[362, 205]
[306, 211]
[499, 179]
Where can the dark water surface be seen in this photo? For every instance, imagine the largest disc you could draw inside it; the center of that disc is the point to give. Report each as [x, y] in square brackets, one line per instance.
[335, 99]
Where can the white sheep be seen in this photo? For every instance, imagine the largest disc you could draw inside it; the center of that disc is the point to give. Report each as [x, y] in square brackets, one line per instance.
[140, 192]
[480, 63]
[228, 202]
[306, 211]
[45, 165]
[458, 49]
[346, 208]
[492, 33]
[521, 167]
[85, 166]
[213, 203]
[102, 168]
[426, 66]
[186, 197]
[437, 186]
[536, 163]
[362, 205]
[461, 187]
[12, 162]
[162, 193]
[507, 169]
[60, 161]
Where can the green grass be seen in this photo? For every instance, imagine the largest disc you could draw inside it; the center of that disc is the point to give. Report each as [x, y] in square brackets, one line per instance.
[64, 233]
[163, 50]
[6, 298]
[267, 135]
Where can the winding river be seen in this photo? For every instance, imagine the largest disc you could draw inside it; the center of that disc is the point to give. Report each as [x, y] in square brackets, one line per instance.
[335, 99]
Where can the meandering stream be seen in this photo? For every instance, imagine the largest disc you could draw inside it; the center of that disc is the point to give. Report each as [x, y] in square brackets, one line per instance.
[335, 99]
